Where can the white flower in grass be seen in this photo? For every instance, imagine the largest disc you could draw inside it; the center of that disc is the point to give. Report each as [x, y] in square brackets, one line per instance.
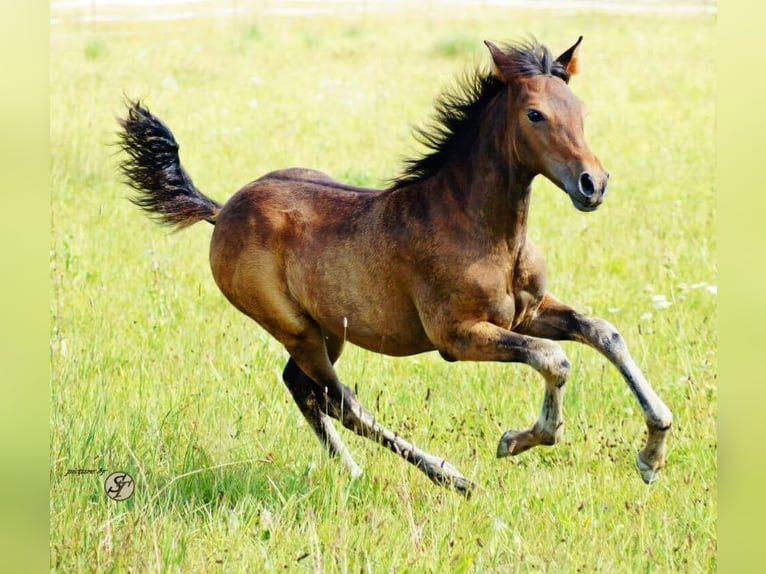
[231, 131]
[660, 302]
[169, 83]
[266, 519]
[706, 286]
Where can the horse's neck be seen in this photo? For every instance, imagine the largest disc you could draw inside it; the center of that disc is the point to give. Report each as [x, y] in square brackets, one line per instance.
[495, 194]
[483, 187]
[498, 190]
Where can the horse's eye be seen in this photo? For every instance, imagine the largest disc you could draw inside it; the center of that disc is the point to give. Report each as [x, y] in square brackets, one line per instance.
[535, 116]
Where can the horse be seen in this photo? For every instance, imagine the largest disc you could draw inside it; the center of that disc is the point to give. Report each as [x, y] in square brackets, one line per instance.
[439, 260]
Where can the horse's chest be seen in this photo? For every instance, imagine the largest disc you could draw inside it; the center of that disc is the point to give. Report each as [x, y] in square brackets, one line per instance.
[526, 299]
[506, 294]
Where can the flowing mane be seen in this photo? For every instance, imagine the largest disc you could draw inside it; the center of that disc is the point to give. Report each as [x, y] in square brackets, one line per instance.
[459, 110]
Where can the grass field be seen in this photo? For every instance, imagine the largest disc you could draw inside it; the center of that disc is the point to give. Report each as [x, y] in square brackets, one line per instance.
[154, 373]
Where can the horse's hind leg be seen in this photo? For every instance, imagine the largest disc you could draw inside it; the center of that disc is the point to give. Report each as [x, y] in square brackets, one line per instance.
[309, 351]
[306, 395]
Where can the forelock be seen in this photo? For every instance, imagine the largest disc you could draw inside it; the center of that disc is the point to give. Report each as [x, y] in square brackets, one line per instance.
[531, 58]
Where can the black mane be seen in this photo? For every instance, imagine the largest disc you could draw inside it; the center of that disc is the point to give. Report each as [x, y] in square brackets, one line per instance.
[458, 111]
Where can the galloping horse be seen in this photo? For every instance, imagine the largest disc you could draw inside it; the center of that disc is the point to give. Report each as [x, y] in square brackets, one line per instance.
[439, 260]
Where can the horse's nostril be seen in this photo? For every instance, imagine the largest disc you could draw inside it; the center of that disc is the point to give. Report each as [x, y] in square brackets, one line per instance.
[587, 187]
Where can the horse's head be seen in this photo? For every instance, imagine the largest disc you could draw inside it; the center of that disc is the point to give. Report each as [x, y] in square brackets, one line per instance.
[546, 121]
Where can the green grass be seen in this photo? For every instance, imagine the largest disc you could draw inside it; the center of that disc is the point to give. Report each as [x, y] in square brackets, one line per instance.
[154, 373]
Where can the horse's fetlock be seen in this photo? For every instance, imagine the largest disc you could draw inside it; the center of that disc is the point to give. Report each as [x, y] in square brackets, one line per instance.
[548, 437]
[660, 420]
[660, 423]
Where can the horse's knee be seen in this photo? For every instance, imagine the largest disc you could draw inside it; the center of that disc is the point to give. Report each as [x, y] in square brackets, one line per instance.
[606, 337]
[552, 363]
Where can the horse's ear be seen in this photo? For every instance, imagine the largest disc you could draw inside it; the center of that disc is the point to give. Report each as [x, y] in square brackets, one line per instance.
[569, 58]
[502, 64]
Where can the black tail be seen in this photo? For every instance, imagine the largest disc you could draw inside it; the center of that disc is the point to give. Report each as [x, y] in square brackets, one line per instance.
[153, 169]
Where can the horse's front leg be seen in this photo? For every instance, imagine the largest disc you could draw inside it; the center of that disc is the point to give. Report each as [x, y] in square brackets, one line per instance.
[554, 320]
[483, 341]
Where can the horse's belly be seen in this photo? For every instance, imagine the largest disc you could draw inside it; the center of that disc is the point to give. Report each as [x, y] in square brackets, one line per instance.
[383, 323]
[396, 346]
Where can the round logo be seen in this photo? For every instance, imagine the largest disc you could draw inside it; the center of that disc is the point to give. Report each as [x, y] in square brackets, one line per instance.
[119, 486]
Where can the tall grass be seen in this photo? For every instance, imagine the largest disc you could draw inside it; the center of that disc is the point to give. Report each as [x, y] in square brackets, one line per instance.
[154, 373]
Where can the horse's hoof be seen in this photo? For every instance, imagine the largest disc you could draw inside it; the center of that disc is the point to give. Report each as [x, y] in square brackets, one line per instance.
[464, 486]
[648, 474]
[450, 477]
[509, 444]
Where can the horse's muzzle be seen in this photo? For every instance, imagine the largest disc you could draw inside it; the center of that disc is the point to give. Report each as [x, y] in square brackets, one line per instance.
[590, 192]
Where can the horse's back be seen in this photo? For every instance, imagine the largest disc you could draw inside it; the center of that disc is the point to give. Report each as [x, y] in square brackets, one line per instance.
[300, 175]
[285, 209]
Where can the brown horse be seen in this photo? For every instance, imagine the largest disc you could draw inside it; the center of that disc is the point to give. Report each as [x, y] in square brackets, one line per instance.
[439, 260]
